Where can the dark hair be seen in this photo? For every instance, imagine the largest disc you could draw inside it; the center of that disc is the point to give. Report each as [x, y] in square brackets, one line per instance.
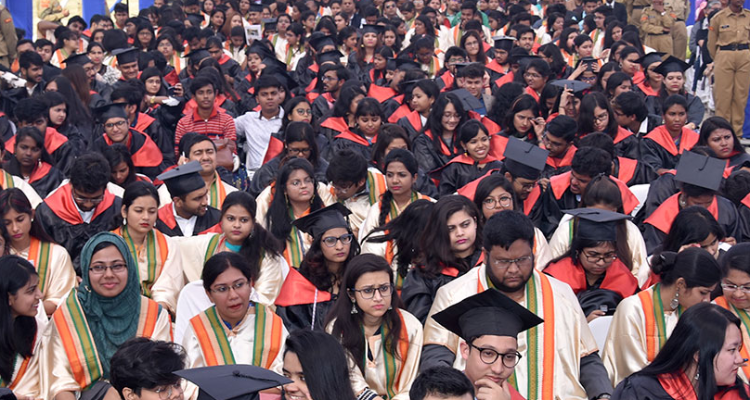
[737, 257]
[505, 227]
[563, 127]
[586, 114]
[487, 185]
[220, 262]
[590, 161]
[628, 50]
[521, 103]
[608, 40]
[558, 64]
[277, 219]
[435, 241]
[14, 167]
[715, 123]
[387, 134]
[289, 107]
[691, 225]
[348, 326]
[259, 243]
[441, 382]
[74, 86]
[141, 363]
[29, 58]
[347, 166]
[672, 100]
[564, 39]
[177, 46]
[695, 265]
[504, 97]
[700, 331]
[346, 98]
[199, 82]
[89, 172]
[298, 131]
[602, 190]
[630, 103]
[405, 232]
[435, 120]
[481, 56]
[325, 380]
[17, 335]
[313, 266]
[137, 42]
[139, 189]
[616, 80]
[370, 107]
[410, 163]
[737, 186]
[31, 109]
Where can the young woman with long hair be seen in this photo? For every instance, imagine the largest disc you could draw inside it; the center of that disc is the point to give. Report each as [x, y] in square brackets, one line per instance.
[421, 98]
[249, 332]
[381, 339]
[686, 279]
[67, 119]
[735, 286]
[451, 246]
[596, 115]
[20, 331]
[31, 162]
[718, 134]
[121, 166]
[242, 234]
[474, 48]
[437, 143]
[157, 255]
[311, 379]
[368, 119]
[673, 83]
[523, 120]
[474, 163]
[309, 293]
[341, 119]
[26, 238]
[694, 226]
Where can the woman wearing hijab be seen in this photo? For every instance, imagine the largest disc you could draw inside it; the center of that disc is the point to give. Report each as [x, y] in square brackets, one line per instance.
[95, 319]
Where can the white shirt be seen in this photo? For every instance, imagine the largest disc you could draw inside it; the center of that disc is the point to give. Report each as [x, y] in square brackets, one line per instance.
[257, 131]
[643, 130]
[86, 215]
[187, 226]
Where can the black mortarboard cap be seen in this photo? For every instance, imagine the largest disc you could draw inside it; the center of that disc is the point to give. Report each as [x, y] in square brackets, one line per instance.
[650, 58]
[319, 41]
[269, 24]
[523, 159]
[319, 222]
[197, 55]
[183, 179]
[256, 7]
[525, 60]
[504, 42]
[672, 64]
[516, 53]
[284, 78]
[461, 65]
[699, 170]
[79, 59]
[367, 28]
[261, 49]
[273, 63]
[597, 224]
[468, 100]
[577, 86]
[405, 64]
[126, 56]
[487, 313]
[236, 382]
[114, 110]
[329, 56]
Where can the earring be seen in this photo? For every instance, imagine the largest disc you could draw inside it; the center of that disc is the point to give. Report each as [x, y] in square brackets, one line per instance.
[675, 301]
[390, 307]
[354, 309]
[124, 221]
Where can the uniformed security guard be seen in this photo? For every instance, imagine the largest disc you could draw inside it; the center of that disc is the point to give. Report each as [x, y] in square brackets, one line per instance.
[8, 37]
[656, 24]
[729, 45]
[635, 9]
[681, 9]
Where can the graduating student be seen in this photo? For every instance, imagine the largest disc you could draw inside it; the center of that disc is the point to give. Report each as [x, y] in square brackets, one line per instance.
[143, 369]
[423, 95]
[735, 285]
[592, 265]
[717, 133]
[157, 255]
[34, 112]
[79, 209]
[558, 140]
[189, 213]
[475, 162]
[643, 323]
[96, 318]
[489, 323]
[31, 163]
[354, 185]
[234, 330]
[308, 294]
[672, 71]
[437, 143]
[522, 167]
[22, 330]
[500, 64]
[240, 233]
[662, 147]
[383, 341]
[566, 363]
[197, 147]
[596, 115]
[368, 118]
[701, 177]
[627, 170]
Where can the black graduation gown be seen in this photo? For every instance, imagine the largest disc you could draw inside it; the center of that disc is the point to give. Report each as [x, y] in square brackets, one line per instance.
[103, 89]
[79, 136]
[460, 171]
[654, 152]
[57, 146]
[695, 110]
[743, 209]
[552, 206]
[627, 144]
[167, 224]
[163, 139]
[427, 157]
[229, 66]
[167, 117]
[632, 171]
[60, 219]
[354, 141]
[660, 189]
[739, 159]
[412, 124]
[298, 306]
[147, 157]
[6, 131]
[267, 173]
[648, 387]
[44, 179]
[419, 290]
[321, 106]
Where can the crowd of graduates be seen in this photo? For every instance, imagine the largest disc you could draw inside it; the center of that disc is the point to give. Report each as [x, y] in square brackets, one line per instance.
[378, 199]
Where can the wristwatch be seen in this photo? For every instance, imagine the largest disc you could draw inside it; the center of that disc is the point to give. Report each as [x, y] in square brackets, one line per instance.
[604, 396]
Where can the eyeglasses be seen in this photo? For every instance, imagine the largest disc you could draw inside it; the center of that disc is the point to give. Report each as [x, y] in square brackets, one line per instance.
[529, 75]
[342, 188]
[588, 79]
[596, 257]
[730, 287]
[328, 78]
[303, 111]
[94, 200]
[602, 117]
[489, 356]
[331, 241]
[522, 262]
[451, 116]
[101, 269]
[115, 124]
[223, 289]
[297, 183]
[369, 293]
[292, 150]
[165, 392]
[491, 203]
[527, 186]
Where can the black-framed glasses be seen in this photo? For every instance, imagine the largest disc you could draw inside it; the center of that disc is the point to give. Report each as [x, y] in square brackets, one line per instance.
[292, 150]
[596, 257]
[303, 111]
[224, 289]
[369, 292]
[118, 124]
[492, 203]
[489, 356]
[330, 241]
[92, 200]
[101, 269]
[521, 262]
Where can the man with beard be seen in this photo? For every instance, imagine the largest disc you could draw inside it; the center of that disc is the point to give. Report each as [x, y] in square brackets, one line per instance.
[566, 362]
[188, 214]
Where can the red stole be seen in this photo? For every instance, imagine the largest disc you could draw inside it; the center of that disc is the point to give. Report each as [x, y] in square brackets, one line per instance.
[663, 216]
[149, 155]
[530, 201]
[647, 89]
[492, 127]
[627, 169]
[62, 204]
[443, 148]
[40, 172]
[380, 93]
[494, 66]
[297, 290]
[275, 147]
[565, 161]
[678, 386]
[622, 134]
[448, 79]
[349, 135]
[52, 141]
[533, 93]
[143, 122]
[415, 120]
[336, 124]
[504, 79]
[402, 111]
[470, 189]
[660, 135]
[560, 183]
[617, 277]
[497, 146]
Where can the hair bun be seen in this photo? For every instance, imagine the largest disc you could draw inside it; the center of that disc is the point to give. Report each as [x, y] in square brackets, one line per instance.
[663, 262]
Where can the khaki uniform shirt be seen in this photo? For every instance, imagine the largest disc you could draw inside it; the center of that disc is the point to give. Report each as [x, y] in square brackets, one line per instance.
[728, 28]
[654, 22]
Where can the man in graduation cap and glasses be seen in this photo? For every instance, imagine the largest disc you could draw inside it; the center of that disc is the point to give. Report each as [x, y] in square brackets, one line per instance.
[500, 64]
[127, 62]
[488, 324]
[523, 164]
[308, 67]
[189, 213]
[559, 359]
[700, 177]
